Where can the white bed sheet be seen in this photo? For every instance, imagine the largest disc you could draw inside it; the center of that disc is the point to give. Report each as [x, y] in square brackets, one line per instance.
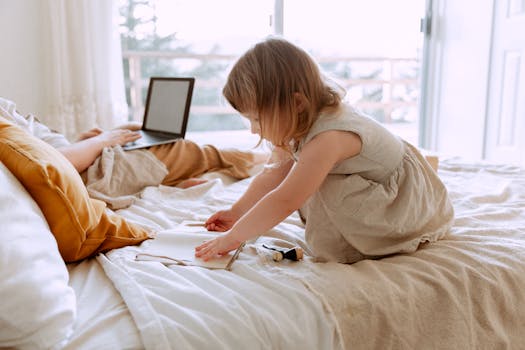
[251, 306]
[464, 291]
[103, 320]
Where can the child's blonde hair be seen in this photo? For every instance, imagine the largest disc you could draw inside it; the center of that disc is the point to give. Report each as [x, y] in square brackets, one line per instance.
[284, 86]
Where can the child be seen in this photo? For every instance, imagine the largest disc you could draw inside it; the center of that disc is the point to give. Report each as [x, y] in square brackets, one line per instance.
[363, 192]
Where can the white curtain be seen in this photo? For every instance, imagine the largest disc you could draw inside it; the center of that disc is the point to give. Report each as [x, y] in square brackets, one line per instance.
[84, 79]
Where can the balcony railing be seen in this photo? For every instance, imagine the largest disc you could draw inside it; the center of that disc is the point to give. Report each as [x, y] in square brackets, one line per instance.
[387, 81]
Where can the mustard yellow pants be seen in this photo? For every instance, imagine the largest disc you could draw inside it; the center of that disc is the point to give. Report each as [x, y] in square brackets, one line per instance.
[185, 159]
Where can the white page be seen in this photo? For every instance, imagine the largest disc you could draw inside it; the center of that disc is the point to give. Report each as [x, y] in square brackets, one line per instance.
[177, 246]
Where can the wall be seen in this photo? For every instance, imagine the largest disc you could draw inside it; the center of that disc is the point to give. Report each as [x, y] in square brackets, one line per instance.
[459, 71]
[19, 60]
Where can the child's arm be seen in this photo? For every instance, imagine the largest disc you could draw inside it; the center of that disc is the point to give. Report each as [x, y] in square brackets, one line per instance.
[278, 167]
[84, 152]
[317, 158]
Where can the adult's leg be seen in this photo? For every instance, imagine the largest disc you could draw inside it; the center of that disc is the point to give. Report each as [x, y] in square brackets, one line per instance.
[185, 159]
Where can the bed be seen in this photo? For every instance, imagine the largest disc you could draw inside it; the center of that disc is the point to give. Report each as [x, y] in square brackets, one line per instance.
[462, 292]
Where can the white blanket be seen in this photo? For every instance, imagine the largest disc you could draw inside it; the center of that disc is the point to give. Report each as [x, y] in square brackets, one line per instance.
[463, 292]
[252, 306]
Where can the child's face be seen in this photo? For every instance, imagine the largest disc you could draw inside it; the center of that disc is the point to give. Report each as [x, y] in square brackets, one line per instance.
[255, 127]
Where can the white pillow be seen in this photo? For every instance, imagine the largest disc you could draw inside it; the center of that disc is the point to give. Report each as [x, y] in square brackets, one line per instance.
[37, 308]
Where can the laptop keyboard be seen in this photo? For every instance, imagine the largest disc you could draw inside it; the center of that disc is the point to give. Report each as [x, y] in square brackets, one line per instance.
[150, 138]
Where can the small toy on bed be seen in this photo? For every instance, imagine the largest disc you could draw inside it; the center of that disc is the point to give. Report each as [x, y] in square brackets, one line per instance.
[295, 253]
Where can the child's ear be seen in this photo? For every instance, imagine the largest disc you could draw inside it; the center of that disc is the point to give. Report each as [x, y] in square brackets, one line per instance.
[300, 102]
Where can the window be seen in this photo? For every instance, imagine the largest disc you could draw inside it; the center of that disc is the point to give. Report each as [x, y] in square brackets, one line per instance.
[372, 49]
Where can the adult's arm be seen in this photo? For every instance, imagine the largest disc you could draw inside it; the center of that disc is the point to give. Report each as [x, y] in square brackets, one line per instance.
[84, 152]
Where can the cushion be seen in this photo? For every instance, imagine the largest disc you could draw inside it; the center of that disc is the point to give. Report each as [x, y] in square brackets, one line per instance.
[82, 226]
[38, 307]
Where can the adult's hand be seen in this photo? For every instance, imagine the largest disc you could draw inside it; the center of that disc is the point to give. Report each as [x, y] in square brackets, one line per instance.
[133, 126]
[117, 137]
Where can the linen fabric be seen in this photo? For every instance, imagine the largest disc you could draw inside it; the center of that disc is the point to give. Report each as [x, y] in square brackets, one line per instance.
[38, 307]
[81, 225]
[383, 201]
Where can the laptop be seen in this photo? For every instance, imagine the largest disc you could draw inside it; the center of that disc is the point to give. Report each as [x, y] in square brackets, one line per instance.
[166, 112]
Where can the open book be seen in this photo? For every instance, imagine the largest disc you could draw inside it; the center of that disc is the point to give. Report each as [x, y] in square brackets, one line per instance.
[177, 246]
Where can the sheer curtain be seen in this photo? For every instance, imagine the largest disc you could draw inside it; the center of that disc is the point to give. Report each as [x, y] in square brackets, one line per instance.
[84, 75]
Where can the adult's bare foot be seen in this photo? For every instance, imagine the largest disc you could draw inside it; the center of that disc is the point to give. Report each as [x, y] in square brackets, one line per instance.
[193, 181]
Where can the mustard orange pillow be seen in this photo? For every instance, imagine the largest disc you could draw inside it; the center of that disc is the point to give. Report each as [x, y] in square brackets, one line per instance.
[81, 225]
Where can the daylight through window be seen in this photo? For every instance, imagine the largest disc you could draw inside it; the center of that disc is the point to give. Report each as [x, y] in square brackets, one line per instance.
[371, 48]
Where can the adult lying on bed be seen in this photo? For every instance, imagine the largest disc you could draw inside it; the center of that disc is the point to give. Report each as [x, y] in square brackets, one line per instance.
[184, 160]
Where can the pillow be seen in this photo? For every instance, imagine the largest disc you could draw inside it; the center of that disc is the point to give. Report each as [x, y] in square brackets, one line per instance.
[81, 225]
[38, 307]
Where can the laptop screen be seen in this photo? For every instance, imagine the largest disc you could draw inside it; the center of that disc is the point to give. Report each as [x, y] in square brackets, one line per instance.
[168, 105]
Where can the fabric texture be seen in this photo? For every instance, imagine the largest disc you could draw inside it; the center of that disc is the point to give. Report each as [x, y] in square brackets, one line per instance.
[32, 125]
[82, 226]
[84, 80]
[117, 176]
[383, 201]
[103, 320]
[38, 308]
[190, 307]
[464, 291]
[461, 292]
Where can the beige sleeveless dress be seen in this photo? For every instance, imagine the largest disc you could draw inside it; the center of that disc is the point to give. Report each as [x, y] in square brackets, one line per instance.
[383, 201]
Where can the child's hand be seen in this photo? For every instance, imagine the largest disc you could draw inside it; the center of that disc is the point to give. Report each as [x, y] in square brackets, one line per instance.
[218, 246]
[222, 220]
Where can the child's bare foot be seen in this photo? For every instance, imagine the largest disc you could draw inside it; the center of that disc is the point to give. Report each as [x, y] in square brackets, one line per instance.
[193, 181]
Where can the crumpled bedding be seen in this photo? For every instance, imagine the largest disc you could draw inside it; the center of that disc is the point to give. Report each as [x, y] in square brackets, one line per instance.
[117, 177]
[462, 292]
[188, 307]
